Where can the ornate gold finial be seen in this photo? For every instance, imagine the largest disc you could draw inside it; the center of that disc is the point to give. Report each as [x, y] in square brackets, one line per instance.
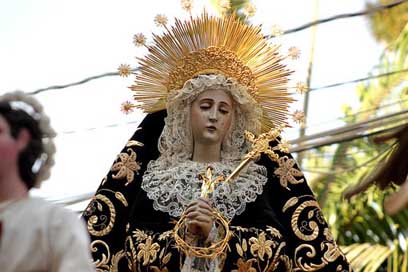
[124, 70]
[261, 145]
[208, 182]
[139, 39]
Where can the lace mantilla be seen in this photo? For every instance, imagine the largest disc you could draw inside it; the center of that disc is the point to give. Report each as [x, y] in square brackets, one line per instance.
[173, 189]
[172, 181]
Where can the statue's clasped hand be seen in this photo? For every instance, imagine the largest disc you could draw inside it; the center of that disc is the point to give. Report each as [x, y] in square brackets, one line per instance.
[199, 218]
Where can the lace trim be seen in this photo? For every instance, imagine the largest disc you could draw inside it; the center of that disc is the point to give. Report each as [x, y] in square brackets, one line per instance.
[173, 189]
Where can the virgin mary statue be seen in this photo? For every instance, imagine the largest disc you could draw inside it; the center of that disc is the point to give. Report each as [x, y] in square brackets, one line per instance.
[204, 83]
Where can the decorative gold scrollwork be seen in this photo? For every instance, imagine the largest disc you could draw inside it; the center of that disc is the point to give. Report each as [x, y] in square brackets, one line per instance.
[101, 264]
[115, 260]
[101, 220]
[312, 225]
[301, 265]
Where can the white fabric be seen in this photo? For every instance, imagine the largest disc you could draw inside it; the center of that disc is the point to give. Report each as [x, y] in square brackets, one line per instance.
[38, 236]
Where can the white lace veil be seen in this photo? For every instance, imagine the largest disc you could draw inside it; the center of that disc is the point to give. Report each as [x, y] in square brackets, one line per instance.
[171, 180]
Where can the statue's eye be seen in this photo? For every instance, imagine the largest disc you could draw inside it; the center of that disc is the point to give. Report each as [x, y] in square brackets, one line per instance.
[205, 106]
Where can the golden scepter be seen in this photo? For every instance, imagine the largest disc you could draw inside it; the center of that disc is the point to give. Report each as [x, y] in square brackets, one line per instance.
[260, 145]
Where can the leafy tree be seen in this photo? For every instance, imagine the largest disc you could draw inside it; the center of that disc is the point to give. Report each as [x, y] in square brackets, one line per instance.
[388, 24]
[373, 240]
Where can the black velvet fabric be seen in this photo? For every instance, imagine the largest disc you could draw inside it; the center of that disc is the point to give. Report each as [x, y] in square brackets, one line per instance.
[283, 230]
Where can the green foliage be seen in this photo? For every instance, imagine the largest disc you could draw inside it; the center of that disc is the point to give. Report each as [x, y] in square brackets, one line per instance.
[388, 24]
[372, 240]
[394, 58]
[237, 7]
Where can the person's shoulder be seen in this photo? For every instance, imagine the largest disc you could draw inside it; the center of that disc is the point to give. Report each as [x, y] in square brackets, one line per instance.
[41, 204]
[55, 212]
[37, 206]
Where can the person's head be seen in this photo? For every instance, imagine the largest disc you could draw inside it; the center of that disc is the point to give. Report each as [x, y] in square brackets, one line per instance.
[188, 119]
[24, 144]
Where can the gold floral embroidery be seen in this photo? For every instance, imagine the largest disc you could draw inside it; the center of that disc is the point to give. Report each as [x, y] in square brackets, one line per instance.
[284, 146]
[105, 178]
[167, 258]
[115, 260]
[245, 266]
[330, 255]
[274, 232]
[121, 198]
[332, 252]
[101, 263]
[242, 229]
[126, 167]
[239, 249]
[291, 202]
[275, 261]
[287, 261]
[260, 246]
[165, 235]
[156, 269]
[301, 264]
[340, 269]
[131, 252]
[327, 233]
[287, 173]
[244, 245]
[147, 251]
[261, 251]
[90, 209]
[133, 142]
[140, 235]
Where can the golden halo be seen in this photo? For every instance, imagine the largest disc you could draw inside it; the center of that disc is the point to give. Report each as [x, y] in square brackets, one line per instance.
[209, 44]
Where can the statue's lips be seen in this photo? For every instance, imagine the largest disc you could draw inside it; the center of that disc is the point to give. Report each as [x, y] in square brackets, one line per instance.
[211, 128]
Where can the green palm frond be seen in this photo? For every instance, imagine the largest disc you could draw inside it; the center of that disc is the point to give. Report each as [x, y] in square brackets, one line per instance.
[366, 257]
[370, 257]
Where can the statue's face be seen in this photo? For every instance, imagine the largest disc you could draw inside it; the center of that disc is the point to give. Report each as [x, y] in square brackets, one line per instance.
[211, 116]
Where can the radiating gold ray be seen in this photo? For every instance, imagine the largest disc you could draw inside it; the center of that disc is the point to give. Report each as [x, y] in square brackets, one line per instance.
[209, 43]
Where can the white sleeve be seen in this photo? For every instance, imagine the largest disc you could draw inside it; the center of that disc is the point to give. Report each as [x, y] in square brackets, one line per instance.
[69, 243]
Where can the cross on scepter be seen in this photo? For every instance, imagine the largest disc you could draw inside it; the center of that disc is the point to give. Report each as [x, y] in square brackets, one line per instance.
[260, 145]
[208, 182]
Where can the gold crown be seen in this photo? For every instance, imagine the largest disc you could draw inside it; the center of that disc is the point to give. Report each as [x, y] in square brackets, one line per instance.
[209, 44]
